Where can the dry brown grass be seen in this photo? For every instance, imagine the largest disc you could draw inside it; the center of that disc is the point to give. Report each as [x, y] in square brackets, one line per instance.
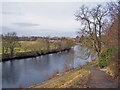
[81, 76]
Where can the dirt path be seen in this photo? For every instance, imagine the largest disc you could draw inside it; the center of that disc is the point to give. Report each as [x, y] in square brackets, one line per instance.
[98, 79]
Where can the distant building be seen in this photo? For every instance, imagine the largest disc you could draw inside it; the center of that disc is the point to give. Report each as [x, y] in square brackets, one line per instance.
[77, 39]
[54, 39]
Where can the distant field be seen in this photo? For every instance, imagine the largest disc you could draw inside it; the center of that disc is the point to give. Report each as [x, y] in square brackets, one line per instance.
[41, 45]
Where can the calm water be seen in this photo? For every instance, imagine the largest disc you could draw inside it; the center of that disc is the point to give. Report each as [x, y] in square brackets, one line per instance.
[30, 71]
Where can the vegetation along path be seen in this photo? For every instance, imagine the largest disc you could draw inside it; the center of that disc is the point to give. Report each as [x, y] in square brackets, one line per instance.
[98, 79]
[39, 86]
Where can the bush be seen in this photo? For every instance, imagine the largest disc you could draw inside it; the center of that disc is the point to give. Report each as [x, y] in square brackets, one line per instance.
[66, 68]
[104, 57]
[55, 72]
[114, 66]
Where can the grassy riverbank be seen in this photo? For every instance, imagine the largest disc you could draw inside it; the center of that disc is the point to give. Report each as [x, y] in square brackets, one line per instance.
[87, 76]
[78, 79]
[22, 49]
[78, 72]
[21, 55]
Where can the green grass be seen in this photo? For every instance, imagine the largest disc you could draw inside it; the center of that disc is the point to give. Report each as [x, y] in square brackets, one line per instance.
[29, 46]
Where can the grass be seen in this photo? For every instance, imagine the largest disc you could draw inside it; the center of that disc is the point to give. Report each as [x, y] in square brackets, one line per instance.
[78, 43]
[78, 68]
[68, 81]
[80, 81]
[29, 46]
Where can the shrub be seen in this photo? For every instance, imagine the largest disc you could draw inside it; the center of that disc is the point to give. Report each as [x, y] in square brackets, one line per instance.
[104, 57]
[114, 66]
[66, 68]
[47, 77]
[55, 72]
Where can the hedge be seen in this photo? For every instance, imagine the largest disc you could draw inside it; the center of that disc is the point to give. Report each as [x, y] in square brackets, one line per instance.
[105, 56]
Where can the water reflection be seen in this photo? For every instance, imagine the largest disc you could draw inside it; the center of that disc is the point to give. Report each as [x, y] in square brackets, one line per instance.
[0, 75]
[69, 60]
[30, 71]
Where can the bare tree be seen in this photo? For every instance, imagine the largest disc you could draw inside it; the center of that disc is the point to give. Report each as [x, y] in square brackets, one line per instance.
[10, 43]
[114, 9]
[112, 33]
[93, 23]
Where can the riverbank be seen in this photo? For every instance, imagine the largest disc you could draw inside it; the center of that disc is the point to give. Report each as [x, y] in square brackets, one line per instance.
[87, 76]
[84, 75]
[22, 55]
[71, 80]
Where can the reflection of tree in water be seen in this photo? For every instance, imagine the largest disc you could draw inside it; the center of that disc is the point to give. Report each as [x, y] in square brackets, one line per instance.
[40, 63]
[10, 74]
[14, 70]
[85, 53]
[69, 60]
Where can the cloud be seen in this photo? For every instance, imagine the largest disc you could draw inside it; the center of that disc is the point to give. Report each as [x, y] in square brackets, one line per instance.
[38, 32]
[6, 29]
[5, 12]
[25, 24]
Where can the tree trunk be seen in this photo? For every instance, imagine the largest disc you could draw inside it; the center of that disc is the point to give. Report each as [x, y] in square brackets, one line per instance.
[11, 52]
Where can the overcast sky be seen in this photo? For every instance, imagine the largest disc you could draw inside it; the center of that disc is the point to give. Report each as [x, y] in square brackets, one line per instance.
[41, 18]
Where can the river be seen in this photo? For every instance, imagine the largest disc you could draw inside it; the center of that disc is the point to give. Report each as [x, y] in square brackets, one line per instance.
[31, 71]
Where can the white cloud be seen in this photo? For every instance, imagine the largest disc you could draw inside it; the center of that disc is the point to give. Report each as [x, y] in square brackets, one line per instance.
[47, 15]
[53, 17]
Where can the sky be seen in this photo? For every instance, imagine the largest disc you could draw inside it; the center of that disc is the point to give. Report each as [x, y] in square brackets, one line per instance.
[41, 18]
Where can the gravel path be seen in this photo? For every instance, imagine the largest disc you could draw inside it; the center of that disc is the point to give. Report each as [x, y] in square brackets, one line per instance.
[98, 79]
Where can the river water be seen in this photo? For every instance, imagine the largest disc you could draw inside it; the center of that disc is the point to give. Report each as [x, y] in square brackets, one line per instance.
[31, 71]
